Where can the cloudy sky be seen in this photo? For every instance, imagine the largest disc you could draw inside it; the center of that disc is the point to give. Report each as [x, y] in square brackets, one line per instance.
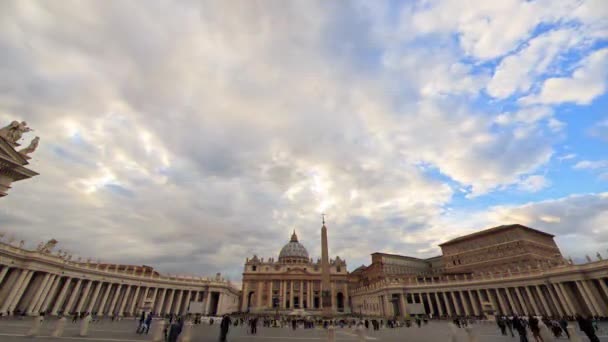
[190, 135]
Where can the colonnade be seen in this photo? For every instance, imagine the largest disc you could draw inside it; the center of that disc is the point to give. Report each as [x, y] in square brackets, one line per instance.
[569, 297]
[29, 291]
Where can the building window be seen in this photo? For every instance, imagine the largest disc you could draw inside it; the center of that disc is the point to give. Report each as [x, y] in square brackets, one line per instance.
[254, 268]
[339, 269]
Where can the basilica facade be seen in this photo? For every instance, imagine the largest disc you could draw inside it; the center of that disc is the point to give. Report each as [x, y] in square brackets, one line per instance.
[294, 282]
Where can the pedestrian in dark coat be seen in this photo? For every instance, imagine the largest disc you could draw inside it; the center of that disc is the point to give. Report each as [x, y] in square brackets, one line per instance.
[175, 330]
[586, 326]
[224, 327]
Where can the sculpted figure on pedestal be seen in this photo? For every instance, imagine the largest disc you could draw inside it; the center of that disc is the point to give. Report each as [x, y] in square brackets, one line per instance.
[13, 132]
[32, 146]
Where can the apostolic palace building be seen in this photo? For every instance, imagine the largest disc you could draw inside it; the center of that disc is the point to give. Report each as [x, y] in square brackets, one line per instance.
[509, 269]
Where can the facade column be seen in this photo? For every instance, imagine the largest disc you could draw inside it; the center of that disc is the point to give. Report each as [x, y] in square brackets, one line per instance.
[430, 301]
[134, 301]
[333, 297]
[511, 301]
[154, 293]
[125, 299]
[501, 302]
[465, 305]
[3, 273]
[85, 294]
[291, 294]
[68, 308]
[569, 310]
[208, 302]
[567, 296]
[61, 298]
[94, 298]
[11, 296]
[301, 296]
[111, 310]
[284, 294]
[104, 299]
[178, 304]
[543, 301]
[447, 304]
[38, 293]
[556, 302]
[270, 285]
[186, 302]
[321, 295]
[245, 303]
[592, 297]
[170, 301]
[532, 300]
[404, 313]
[587, 299]
[455, 301]
[438, 304]
[522, 302]
[21, 290]
[600, 280]
[474, 303]
[159, 305]
[50, 294]
[259, 295]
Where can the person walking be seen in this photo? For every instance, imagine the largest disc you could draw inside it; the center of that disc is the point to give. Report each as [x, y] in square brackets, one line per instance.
[520, 325]
[535, 328]
[586, 326]
[224, 327]
[148, 322]
[175, 330]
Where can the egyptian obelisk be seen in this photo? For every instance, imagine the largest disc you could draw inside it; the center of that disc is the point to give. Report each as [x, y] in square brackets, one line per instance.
[325, 283]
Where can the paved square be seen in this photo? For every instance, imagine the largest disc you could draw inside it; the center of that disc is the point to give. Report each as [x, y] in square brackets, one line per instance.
[124, 331]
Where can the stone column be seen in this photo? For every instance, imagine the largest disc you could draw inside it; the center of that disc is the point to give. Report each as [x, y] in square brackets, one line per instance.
[3, 273]
[456, 306]
[567, 297]
[61, 298]
[588, 300]
[85, 294]
[259, 294]
[208, 302]
[102, 305]
[50, 294]
[333, 297]
[301, 296]
[44, 293]
[600, 280]
[154, 293]
[170, 301]
[556, 302]
[111, 309]
[474, 303]
[220, 303]
[123, 304]
[532, 300]
[36, 298]
[270, 285]
[403, 305]
[15, 288]
[284, 294]
[94, 298]
[291, 294]
[465, 305]
[178, 304]
[511, 301]
[593, 298]
[562, 299]
[159, 305]
[134, 301]
[21, 290]
[521, 301]
[186, 302]
[245, 302]
[543, 301]
[438, 304]
[447, 304]
[501, 302]
[68, 308]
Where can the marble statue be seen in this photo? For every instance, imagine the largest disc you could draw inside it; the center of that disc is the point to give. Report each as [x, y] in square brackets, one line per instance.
[599, 256]
[21, 243]
[32, 146]
[49, 245]
[13, 132]
[588, 258]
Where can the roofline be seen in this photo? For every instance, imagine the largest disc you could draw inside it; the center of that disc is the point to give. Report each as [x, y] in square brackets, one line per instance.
[399, 255]
[492, 230]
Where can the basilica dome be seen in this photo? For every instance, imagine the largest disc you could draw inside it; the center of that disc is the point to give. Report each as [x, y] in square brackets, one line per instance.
[293, 251]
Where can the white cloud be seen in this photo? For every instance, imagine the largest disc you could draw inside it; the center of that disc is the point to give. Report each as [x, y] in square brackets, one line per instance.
[518, 72]
[586, 83]
[591, 165]
[534, 183]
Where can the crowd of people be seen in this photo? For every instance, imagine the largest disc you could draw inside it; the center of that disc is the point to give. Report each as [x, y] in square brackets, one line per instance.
[558, 326]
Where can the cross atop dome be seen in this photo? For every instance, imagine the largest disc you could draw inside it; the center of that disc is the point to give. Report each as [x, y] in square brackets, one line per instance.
[294, 237]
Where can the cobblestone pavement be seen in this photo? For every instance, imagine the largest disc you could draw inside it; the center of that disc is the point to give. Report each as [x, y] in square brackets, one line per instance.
[124, 331]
